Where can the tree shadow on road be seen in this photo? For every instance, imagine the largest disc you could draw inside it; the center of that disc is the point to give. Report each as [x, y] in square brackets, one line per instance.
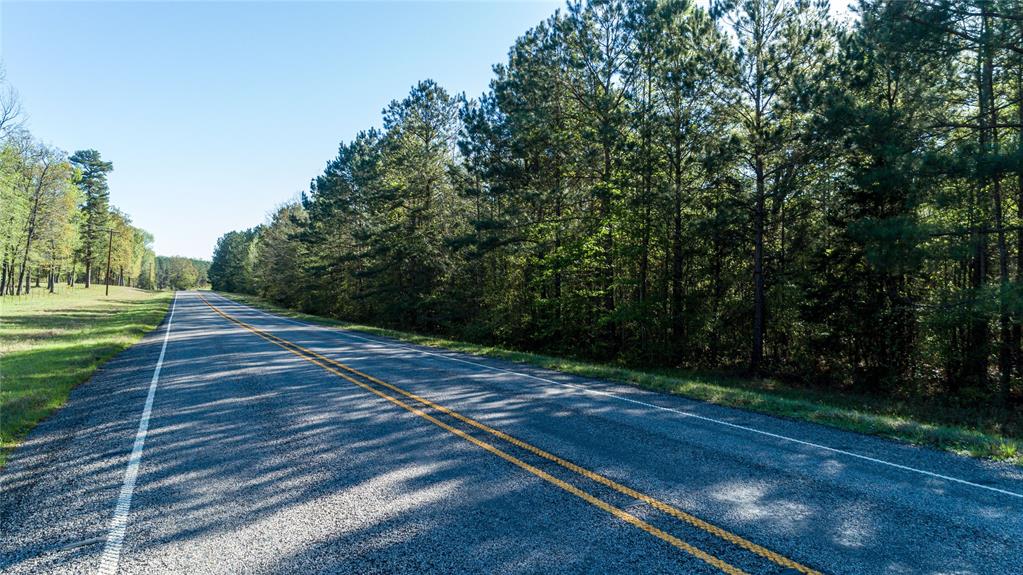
[258, 459]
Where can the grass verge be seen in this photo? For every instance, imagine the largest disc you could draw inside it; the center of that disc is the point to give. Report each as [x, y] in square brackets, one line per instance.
[52, 342]
[920, 424]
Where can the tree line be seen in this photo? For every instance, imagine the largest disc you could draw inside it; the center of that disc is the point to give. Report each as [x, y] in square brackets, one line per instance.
[178, 273]
[57, 225]
[753, 187]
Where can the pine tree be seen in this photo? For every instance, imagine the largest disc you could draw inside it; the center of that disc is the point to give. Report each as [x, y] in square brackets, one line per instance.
[776, 42]
[96, 193]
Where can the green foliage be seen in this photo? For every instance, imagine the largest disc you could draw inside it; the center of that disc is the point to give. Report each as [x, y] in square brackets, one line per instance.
[278, 259]
[755, 187]
[179, 273]
[93, 182]
[56, 224]
[231, 268]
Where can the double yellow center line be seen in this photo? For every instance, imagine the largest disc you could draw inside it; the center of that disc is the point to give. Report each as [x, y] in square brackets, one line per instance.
[346, 372]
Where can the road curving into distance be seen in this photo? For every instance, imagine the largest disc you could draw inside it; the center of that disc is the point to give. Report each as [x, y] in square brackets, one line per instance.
[236, 441]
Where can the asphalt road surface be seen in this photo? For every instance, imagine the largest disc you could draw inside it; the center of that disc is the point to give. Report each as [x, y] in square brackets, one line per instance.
[265, 445]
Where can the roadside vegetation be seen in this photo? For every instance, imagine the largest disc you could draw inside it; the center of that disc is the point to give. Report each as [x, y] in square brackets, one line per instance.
[61, 243]
[963, 429]
[829, 210]
[49, 343]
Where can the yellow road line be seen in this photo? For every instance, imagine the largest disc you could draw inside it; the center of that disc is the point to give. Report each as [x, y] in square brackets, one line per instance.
[321, 360]
[653, 502]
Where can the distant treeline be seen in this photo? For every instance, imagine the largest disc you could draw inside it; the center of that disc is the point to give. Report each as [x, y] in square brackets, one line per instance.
[57, 225]
[176, 272]
[756, 187]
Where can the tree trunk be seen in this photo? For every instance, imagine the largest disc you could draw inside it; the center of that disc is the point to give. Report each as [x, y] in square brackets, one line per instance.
[759, 216]
[1017, 328]
[988, 125]
[1005, 328]
[976, 360]
[719, 290]
[757, 355]
[644, 260]
[557, 242]
[29, 233]
[676, 260]
[608, 247]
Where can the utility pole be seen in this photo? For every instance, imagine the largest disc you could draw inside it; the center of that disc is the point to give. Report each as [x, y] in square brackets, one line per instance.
[110, 245]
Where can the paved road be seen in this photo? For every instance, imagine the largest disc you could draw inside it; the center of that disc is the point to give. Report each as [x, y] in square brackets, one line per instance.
[270, 446]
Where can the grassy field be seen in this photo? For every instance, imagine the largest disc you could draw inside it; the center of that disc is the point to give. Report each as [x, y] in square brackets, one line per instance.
[50, 343]
[963, 430]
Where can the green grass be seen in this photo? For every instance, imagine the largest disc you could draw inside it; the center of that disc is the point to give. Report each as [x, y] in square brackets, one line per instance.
[962, 430]
[49, 343]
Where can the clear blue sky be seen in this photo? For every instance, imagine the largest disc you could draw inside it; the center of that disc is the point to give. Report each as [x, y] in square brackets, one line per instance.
[214, 113]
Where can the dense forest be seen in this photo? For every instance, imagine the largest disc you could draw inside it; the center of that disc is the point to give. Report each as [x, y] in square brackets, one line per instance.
[755, 187]
[57, 227]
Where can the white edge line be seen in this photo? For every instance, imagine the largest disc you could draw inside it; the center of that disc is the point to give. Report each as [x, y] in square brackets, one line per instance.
[115, 538]
[585, 389]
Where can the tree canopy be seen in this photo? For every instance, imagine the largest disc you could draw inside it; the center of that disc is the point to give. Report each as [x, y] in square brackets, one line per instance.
[751, 187]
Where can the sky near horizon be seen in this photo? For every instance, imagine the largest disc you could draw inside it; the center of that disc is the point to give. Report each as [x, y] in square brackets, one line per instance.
[215, 113]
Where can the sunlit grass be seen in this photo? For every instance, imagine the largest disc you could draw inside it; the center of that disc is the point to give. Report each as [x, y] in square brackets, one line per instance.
[49, 343]
[964, 431]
